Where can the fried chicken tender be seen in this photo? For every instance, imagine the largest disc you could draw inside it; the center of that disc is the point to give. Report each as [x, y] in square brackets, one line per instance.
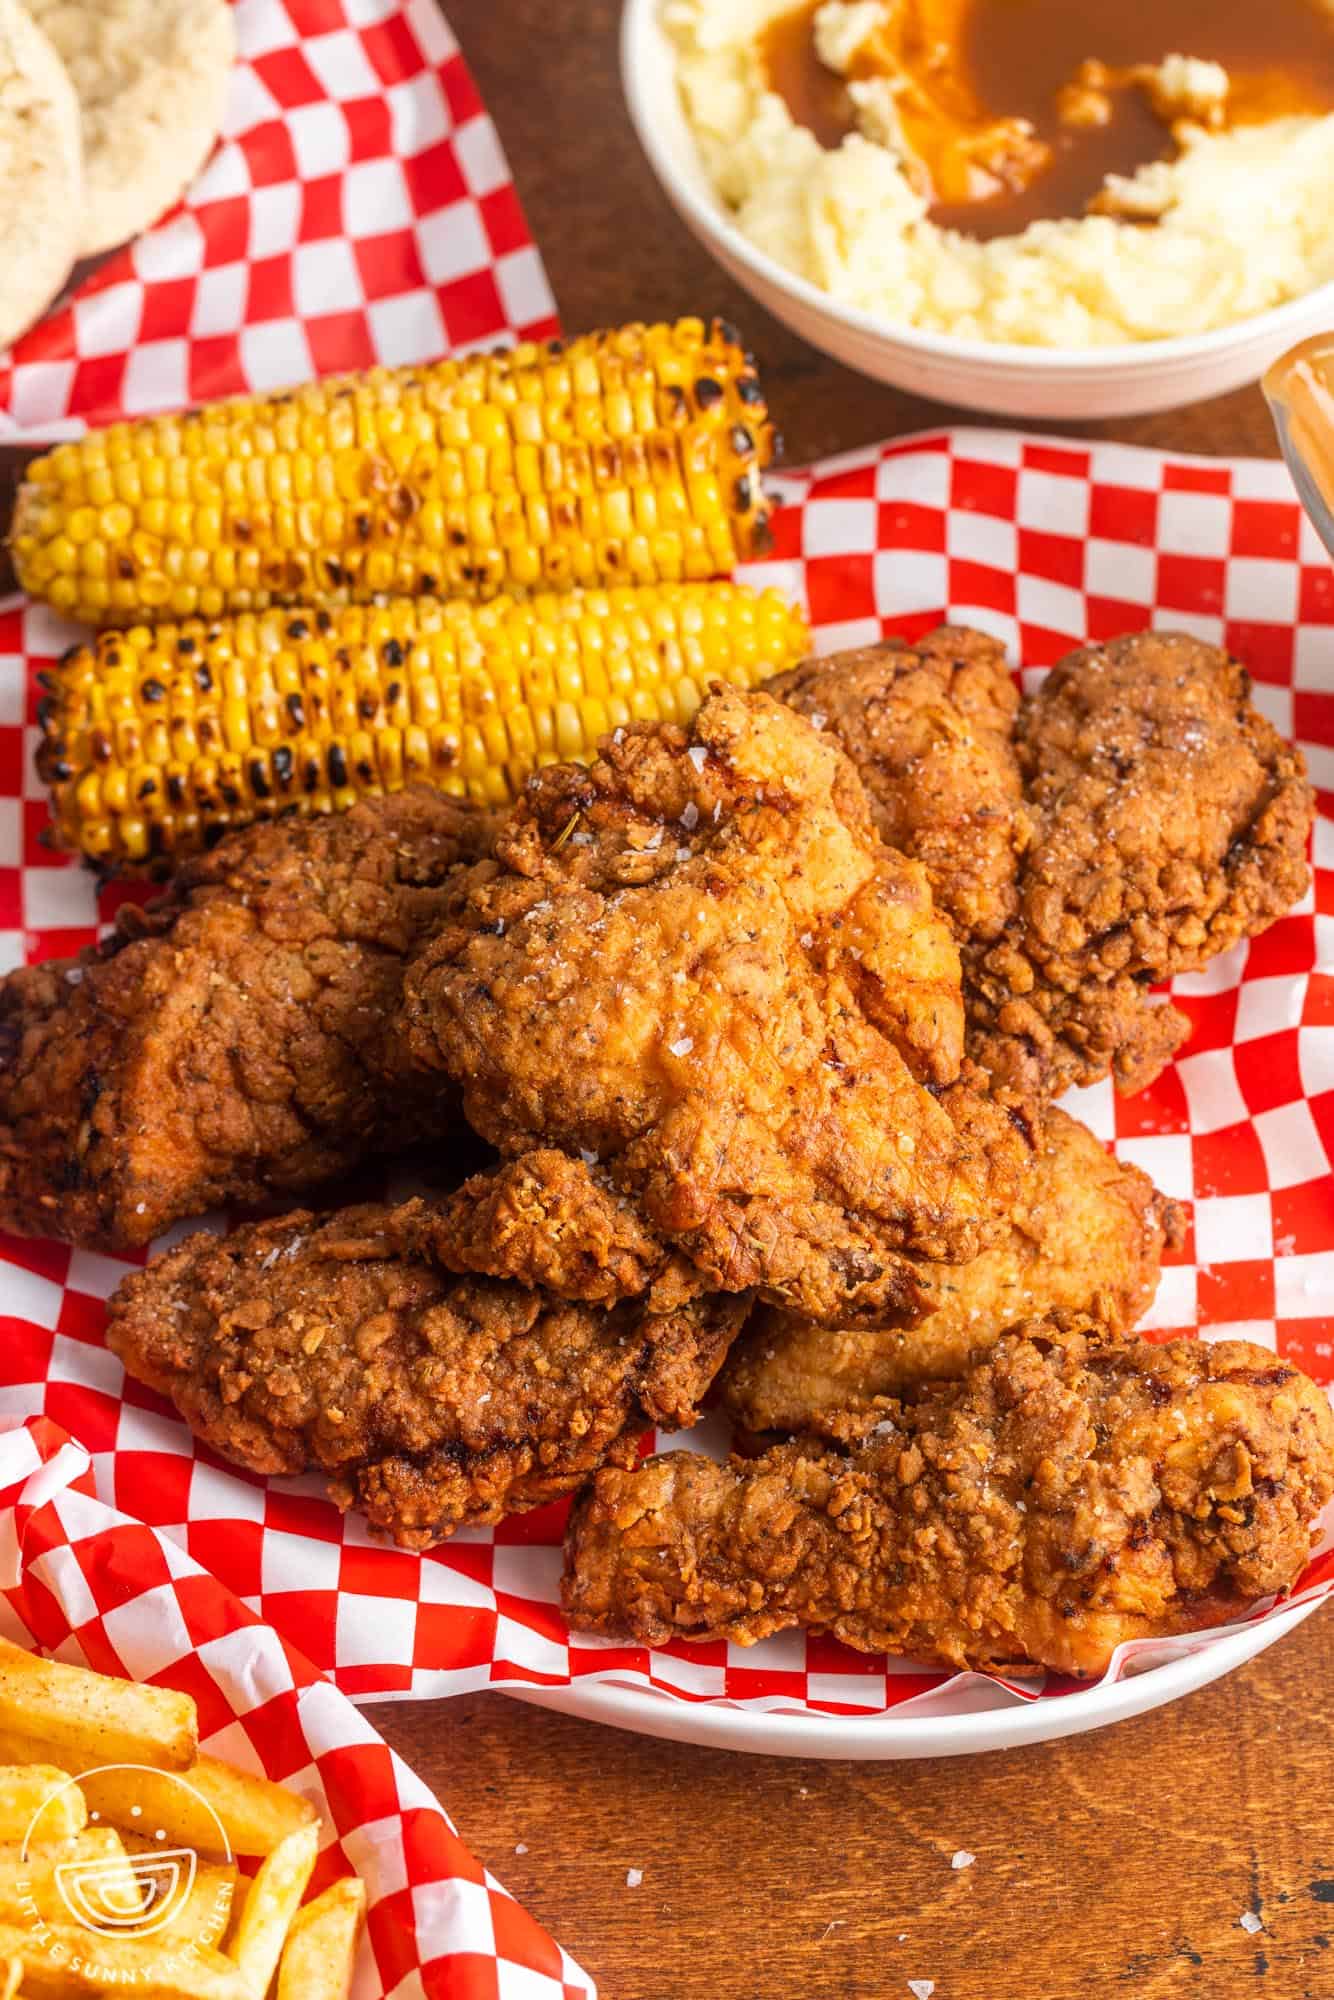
[1170, 821]
[1086, 1235]
[234, 1040]
[1073, 1491]
[695, 963]
[1139, 817]
[930, 728]
[431, 1400]
[546, 1220]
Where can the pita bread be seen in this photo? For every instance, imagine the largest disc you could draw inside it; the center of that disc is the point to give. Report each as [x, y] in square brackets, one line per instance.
[41, 198]
[151, 77]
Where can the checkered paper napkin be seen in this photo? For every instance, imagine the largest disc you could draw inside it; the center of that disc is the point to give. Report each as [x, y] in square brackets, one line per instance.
[86, 1584]
[1046, 545]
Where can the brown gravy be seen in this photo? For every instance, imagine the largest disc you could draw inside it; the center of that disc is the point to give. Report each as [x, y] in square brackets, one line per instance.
[1013, 57]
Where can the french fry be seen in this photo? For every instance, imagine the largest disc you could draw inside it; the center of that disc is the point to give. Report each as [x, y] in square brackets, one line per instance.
[27, 1789]
[92, 1718]
[29, 1885]
[205, 1913]
[273, 1899]
[321, 1947]
[254, 1813]
[75, 1961]
[11, 1978]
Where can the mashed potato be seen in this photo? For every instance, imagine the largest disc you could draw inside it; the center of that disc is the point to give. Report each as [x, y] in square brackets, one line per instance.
[1242, 218]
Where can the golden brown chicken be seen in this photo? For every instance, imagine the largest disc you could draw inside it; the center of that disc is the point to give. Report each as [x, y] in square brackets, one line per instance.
[234, 1040]
[1074, 1490]
[432, 1400]
[930, 728]
[1086, 1235]
[695, 964]
[1170, 821]
[1139, 817]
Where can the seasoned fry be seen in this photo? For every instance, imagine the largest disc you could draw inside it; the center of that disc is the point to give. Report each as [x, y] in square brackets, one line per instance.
[93, 1718]
[254, 1813]
[28, 1882]
[206, 1912]
[77, 1910]
[273, 1900]
[26, 1787]
[70, 1960]
[321, 1949]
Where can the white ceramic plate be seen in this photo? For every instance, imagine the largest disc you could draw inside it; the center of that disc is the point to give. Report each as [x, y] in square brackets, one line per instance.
[979, 375]
[930, 1733]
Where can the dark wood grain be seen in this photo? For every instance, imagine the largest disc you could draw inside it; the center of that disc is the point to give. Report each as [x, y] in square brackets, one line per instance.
[1113, 1866]
[1108, 1866]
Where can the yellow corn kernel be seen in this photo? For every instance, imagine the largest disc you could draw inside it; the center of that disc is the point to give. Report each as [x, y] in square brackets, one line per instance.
[630, 455]
[157, 738]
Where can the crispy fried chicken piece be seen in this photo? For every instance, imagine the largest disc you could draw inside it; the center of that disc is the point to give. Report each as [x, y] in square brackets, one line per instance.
[544, 1219]
[696, 964]
[1086, 1235]
[1074, 1490]
[433, 1401]
[930, 728]
[1162, 819]
[1170, 820]
[234, 1040]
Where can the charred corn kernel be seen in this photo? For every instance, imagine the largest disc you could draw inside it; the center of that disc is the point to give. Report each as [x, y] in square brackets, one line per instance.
[157, 738]
[633, 455]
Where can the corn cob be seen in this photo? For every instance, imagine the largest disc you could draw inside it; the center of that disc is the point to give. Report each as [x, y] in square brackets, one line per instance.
[625, 457]
[156, 739]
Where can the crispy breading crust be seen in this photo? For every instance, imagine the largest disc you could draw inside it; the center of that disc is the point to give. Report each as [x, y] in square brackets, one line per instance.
[1086, 1235]
[1139, 817]
[930, 727]
[431, 1400]
[696, 965]
[1170, 820]
[234, 1041]
[1073, 1491]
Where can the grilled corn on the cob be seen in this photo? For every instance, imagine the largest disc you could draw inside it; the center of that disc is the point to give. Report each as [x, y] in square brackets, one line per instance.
[156, 739]
[632, 456]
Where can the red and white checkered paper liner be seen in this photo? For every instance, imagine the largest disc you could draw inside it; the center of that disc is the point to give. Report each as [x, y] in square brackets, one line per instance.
[358, 210]
[82, 1582]
[1046, 544]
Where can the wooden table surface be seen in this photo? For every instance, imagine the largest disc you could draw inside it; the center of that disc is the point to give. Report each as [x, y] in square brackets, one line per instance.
[1117, 1864]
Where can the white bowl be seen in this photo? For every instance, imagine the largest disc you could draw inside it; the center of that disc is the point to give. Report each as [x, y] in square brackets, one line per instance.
[1003, 379]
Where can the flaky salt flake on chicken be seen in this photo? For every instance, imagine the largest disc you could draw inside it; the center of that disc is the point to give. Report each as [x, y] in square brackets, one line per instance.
[1075, 1490]
[696, 965]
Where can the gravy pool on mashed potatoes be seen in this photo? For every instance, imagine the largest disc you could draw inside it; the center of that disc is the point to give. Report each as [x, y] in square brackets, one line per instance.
[929, 186]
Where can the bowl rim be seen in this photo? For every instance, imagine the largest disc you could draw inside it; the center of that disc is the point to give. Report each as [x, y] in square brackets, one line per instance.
[639, 20]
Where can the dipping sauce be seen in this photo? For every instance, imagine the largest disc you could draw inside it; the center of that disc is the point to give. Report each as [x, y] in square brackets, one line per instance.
[1300, 389]
[970, 66]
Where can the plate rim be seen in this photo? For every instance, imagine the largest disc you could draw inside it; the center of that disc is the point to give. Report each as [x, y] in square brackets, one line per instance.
[874, 1737]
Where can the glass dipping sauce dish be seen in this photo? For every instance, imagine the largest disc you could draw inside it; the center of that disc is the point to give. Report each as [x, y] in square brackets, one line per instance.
[1300, 390]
